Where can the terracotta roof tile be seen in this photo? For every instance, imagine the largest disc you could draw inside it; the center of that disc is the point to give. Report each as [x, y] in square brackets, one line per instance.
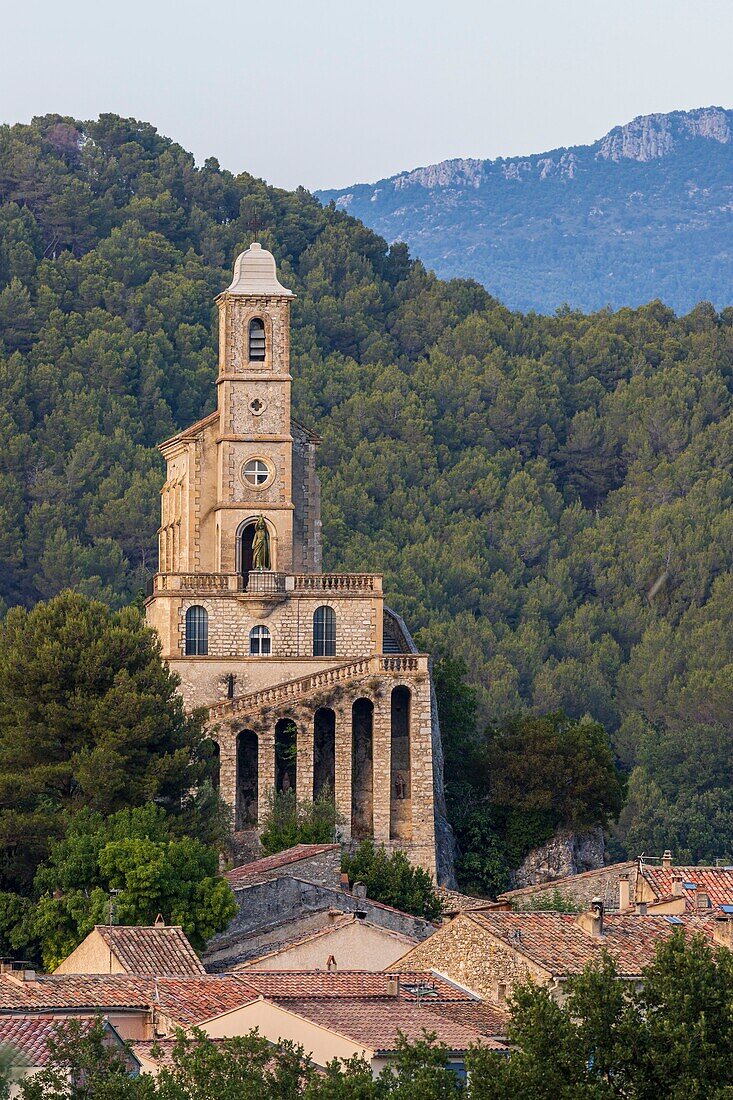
[557, 883]
[376, 1022]
[152, 950]
[249, 873]
[185, 1000]
[25, 1038]
[554, 941]
[284, 985]
[716, 882]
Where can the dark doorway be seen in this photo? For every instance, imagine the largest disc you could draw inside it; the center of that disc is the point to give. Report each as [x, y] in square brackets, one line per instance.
[362, 797]
[247, 780]
[400, 802]
[324, 751]
[245, 551]
[286, 755]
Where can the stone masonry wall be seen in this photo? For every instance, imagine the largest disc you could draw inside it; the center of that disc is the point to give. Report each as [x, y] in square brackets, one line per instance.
[472, 957]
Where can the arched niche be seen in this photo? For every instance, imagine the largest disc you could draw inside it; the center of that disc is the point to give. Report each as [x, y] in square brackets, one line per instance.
[362, 769]
[247, 780]
[243, 547]
[324, 751]
[400, 802]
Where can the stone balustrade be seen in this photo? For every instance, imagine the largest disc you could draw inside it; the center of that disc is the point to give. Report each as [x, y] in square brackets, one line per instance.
[413, 664]
[268, 582]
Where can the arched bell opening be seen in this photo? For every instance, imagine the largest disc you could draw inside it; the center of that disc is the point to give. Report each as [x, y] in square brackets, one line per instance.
[247, 780]
[286, 756]
[362, 769]
[324, 751]
[400, 802]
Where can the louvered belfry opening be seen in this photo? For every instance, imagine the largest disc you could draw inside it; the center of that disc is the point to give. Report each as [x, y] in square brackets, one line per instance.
[256, 340]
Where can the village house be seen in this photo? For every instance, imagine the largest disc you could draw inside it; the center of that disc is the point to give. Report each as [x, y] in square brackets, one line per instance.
[285, 899]
[312, 685]
[491, 950]
[156, 950]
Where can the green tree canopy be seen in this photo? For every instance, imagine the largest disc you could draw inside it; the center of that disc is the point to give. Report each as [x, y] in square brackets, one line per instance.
[89, 717]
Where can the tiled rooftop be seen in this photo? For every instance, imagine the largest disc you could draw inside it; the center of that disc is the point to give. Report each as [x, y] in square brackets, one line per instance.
[249, 873]
[555, 942]
[284, 985]
[558, 883]
[186, 1000]
[152, 950]
[716, 882]
[375, 1022]
[327, 928]
[25, 1038]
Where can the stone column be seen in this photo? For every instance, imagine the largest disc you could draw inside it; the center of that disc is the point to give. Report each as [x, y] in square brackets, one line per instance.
[382, 767]
[226, 737]
[304, 768]
[422, 847]
[265, 771]
[342, 780]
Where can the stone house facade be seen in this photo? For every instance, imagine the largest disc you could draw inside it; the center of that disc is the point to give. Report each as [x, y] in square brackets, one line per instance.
[311, 683]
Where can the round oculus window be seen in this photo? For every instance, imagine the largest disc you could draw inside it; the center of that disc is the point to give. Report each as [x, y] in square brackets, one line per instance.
[256, 472]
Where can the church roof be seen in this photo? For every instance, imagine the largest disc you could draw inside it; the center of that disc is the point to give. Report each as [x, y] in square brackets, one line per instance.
[255, 273]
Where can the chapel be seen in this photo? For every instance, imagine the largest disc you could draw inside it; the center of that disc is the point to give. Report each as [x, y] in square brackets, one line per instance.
[310, 682]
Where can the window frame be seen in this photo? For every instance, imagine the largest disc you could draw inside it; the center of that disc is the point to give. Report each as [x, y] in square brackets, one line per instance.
[260, 641]
[196, 631]
[324, 631]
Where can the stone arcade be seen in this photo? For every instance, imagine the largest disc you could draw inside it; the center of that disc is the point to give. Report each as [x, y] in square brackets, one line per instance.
[309, 680]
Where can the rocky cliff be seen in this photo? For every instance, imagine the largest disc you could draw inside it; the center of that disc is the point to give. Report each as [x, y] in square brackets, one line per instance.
[645, 212]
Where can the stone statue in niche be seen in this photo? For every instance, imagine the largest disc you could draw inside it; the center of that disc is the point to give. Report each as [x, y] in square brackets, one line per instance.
[261, 546]
[400, 787]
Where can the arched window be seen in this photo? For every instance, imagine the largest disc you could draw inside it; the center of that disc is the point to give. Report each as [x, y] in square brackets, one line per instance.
[197, 631]
[256, 340]
[324, 632]
[259, 642]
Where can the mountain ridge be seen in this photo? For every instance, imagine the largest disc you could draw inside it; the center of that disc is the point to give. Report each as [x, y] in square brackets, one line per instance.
[656, 180]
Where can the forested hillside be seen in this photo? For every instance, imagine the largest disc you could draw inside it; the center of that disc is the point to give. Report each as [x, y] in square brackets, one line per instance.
[548, 497]
[645, 212]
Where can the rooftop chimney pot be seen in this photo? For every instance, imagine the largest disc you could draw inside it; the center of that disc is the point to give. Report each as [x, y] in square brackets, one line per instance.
[667, 859]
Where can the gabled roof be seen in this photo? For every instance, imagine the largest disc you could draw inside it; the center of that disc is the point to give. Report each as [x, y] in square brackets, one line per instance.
[25, 1038]
[376, 1023]
[185, 1000]
[151, 950]
[716, 882]
[556, 943]
[250, 873]
[558, 883]
[285, 985]
[190, 432]
[331, 925]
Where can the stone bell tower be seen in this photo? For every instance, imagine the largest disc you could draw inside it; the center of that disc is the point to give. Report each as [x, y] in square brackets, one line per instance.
[311, 684]
[255, 445]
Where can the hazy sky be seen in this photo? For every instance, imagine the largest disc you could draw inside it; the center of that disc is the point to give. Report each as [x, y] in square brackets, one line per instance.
[329, 93]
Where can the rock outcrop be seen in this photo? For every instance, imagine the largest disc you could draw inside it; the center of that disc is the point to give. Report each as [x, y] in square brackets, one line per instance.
[566, 854]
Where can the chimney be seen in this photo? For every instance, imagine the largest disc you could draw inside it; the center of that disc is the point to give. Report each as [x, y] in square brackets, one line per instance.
[624, 893]
[678, 889]
[345, 884]
[667, 860]
[591, 921]
[702, 899]
[723, 931]
[359, 890]
[641, 908]
[331, 964]
[393, 985]
[17, 972]
[159, 922]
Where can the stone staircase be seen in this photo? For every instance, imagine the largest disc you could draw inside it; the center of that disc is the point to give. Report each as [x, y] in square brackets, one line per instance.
[298, 689]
